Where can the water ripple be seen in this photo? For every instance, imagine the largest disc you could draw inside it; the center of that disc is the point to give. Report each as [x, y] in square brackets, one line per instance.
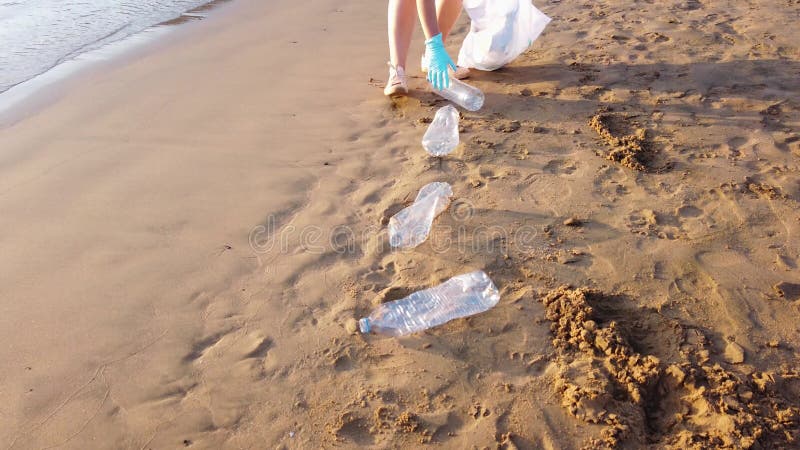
[36, 35]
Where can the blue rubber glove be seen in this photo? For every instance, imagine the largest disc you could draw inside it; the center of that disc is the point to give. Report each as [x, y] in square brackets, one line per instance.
[439, 63]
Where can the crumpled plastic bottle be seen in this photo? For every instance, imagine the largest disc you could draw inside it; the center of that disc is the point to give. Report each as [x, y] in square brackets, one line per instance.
[411, 226]
[441, 137]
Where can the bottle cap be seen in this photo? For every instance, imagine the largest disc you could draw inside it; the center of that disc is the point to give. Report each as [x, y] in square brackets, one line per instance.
[363, 325]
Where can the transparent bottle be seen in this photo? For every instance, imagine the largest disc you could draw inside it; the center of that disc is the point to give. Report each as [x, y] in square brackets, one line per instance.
[462, 94]
[411, 226]
[441, 137]
[460, 296]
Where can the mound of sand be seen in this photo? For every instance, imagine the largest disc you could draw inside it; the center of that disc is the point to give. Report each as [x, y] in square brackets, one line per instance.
[685, 402]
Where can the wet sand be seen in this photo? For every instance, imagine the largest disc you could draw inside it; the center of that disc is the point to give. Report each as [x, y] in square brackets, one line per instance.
[188, 237]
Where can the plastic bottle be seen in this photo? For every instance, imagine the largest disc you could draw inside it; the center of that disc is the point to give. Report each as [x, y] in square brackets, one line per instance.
[411, 226]
[462, 94]
[442, 135]
[460, 296]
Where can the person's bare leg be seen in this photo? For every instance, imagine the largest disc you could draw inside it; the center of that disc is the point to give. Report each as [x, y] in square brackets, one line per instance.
[428, 18]
[402, 18]
[447, 12]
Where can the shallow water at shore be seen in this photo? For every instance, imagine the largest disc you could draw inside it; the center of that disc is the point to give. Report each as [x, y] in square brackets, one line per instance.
[36, 35]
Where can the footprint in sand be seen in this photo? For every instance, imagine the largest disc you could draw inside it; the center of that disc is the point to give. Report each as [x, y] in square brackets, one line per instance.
[691, 5]
[785, 262]
[393, 293]
[340, 357]
[730, 296]
[478, 411]
[203, 347]
[374, 195]
[775, 116]
[734, 147]
[381, 274]
[609, 182]
[689, 211]
[255, 346]
[793, 144]
[695, 221]
[561, 167]
[656, 37]
[647, 222]
[349, 427]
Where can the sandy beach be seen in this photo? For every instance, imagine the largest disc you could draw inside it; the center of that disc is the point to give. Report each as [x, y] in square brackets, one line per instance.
[190, 232]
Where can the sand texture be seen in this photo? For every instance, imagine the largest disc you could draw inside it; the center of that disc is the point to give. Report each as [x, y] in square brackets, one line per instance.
[189, 238]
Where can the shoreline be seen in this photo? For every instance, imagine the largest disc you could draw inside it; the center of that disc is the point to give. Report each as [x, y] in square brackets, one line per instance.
[33, 93]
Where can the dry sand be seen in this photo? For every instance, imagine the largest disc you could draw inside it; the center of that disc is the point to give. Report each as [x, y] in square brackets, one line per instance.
[187, 238]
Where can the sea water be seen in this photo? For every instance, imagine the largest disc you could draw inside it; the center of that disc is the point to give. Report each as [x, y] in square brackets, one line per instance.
[37, 35]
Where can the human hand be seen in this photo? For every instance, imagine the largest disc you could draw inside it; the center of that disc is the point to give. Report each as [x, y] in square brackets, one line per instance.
[440, 62]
